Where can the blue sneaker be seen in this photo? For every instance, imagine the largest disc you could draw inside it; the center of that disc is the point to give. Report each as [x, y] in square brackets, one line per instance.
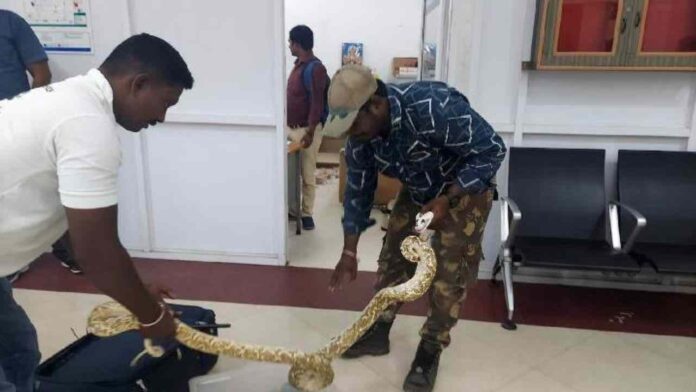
[308, 223]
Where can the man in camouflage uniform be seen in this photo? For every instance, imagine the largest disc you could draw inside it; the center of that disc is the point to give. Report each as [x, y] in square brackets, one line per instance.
[446, 155]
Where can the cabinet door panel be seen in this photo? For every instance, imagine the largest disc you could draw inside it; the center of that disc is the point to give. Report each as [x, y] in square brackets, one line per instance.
[581, 34]
[665, 35]
[587, 26]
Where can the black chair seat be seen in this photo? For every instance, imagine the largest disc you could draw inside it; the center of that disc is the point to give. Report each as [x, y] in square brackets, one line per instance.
[675, 259]
[572, 254]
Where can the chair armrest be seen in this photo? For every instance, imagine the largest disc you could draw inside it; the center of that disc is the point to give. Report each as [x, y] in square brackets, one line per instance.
[641, 222]
[507, 227]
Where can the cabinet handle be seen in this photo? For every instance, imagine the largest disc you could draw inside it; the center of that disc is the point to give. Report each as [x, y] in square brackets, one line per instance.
[622, 29]
[636, 21]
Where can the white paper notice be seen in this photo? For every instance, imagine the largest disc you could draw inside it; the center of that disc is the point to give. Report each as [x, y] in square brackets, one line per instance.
[61, 25]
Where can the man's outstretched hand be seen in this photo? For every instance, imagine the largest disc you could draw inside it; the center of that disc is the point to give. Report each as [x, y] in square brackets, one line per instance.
[346, 270]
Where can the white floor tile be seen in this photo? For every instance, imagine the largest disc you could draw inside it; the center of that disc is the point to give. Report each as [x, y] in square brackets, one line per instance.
[517, 345]
[472, 365]
[535, 381]
[394, 366]
[680, 349]
[608, 362]
[58, 317]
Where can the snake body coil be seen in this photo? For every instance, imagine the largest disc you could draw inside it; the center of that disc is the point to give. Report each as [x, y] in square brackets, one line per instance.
[308, 371]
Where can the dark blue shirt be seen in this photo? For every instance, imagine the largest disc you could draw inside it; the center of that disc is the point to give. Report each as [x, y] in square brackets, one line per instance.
[436, 139]
[19, 48]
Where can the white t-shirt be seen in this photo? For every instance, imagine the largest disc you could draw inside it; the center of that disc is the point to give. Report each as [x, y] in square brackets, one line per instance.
[58, 147]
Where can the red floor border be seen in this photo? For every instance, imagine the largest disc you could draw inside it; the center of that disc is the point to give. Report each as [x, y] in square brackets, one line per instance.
[537, 304]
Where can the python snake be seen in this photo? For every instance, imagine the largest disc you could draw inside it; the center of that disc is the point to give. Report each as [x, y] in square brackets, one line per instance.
[308, 371]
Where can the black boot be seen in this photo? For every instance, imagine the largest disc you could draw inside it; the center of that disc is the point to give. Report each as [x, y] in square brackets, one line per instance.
[423, 372]
[374, 342]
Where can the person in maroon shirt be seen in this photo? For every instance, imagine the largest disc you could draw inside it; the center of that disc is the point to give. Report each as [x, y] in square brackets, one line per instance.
[306, 111]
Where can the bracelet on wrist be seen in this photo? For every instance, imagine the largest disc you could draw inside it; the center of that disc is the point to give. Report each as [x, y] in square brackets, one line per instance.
[159, 318]
[350, 253]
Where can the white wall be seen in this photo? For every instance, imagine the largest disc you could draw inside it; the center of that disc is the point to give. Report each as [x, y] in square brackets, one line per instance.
[209, 183]
[215, 173]
[610, 110]
[387, 28]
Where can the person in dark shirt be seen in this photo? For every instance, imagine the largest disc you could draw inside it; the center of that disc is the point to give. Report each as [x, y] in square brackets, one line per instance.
[306, 108]
[20, 51]
[446, 155]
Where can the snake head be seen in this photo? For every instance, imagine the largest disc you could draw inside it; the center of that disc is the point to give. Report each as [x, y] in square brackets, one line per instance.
[423, 221]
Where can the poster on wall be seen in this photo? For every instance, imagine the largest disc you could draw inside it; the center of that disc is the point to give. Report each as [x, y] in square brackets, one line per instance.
[352, 53]
[62, 26]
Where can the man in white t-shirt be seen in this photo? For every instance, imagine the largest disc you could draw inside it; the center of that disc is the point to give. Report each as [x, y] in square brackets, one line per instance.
[59, 160]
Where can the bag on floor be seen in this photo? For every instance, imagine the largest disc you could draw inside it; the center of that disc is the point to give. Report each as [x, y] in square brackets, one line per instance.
[93, 364]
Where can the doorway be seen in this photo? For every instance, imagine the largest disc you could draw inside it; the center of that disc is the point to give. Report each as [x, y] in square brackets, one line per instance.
[395, 38]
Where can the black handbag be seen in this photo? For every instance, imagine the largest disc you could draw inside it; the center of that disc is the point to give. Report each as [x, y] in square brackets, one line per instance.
[93, 364]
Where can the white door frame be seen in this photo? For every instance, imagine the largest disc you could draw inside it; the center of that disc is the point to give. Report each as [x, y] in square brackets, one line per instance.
[443, 39]
[279, 80]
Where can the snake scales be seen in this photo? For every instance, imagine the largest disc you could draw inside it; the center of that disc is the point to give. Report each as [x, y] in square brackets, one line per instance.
[308, 371]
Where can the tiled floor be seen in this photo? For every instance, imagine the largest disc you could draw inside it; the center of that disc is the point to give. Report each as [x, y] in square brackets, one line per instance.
[482, 357]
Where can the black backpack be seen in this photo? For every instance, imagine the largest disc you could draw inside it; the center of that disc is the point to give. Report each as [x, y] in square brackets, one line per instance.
[93, 364]
[307, 73]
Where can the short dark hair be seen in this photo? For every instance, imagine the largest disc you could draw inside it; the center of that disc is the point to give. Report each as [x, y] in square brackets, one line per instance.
[147, 53]
[303, 36]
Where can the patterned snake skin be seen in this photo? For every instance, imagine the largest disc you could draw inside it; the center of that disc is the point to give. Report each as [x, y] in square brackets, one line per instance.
[309, 371]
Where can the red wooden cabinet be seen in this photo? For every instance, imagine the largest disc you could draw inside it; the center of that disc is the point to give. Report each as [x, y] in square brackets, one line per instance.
[616, 34]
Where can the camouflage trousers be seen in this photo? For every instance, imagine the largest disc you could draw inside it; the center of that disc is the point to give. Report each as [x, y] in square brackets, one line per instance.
[458, 250]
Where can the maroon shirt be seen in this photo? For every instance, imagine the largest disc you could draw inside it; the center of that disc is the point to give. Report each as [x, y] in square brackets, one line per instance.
[301, 111]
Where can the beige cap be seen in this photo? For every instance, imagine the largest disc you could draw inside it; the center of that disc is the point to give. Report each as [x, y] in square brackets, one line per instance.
[351, 87]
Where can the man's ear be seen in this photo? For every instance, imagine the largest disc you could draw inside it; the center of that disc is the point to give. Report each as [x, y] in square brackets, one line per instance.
[140, 82]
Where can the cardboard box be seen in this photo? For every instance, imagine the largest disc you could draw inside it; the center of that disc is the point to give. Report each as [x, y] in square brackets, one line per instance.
[387, 188]
[405, 67]
[331, 144]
